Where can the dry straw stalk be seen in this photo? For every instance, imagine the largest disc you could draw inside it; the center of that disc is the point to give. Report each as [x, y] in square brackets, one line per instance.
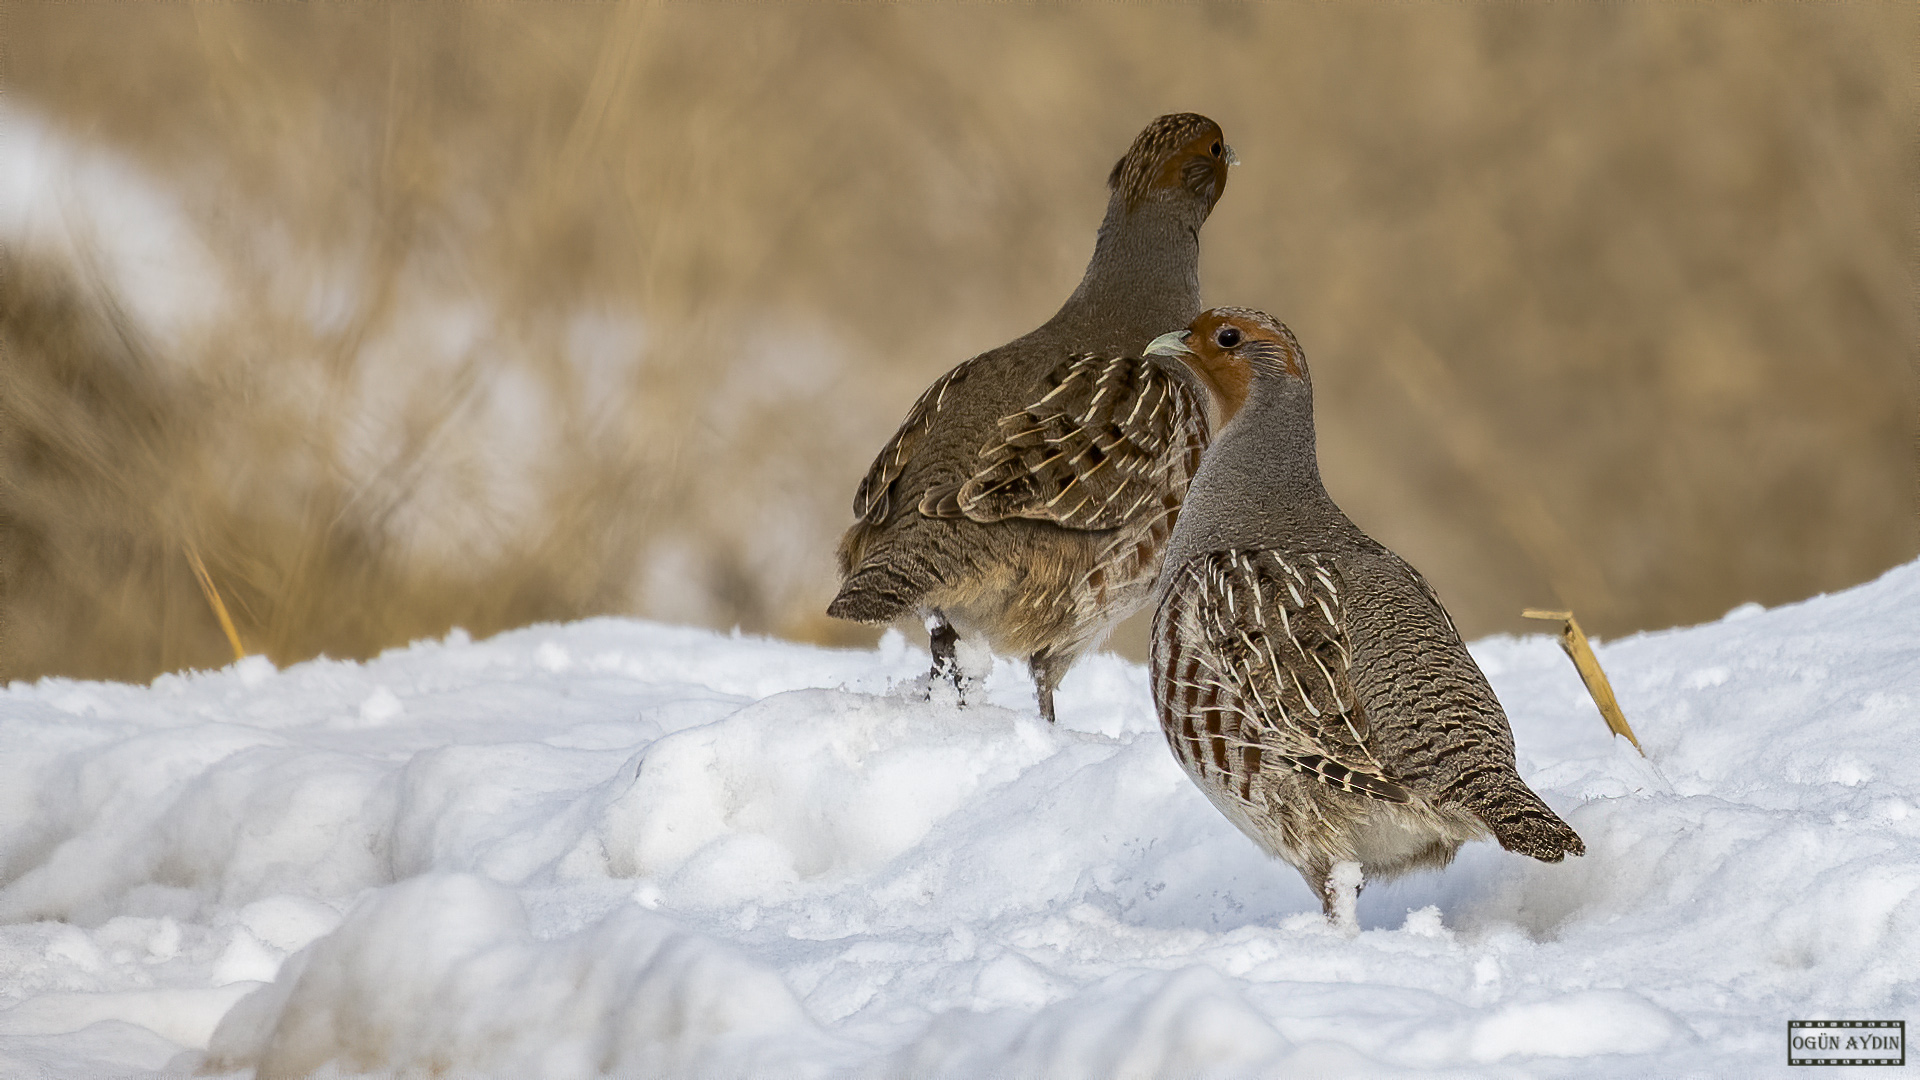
[213, 600]
[1575, 643]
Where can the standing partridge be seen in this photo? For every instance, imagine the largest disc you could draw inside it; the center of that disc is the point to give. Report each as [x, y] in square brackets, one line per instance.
[1307, 678]
[1029, 492]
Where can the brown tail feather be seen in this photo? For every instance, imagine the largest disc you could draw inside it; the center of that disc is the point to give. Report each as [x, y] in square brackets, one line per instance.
[1526, 826]
[876, 594]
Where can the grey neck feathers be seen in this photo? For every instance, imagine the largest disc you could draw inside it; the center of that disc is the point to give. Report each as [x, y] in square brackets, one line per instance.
[1143, 280]
[1259, 485]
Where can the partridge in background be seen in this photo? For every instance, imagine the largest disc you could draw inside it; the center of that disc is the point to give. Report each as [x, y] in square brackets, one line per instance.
[1307, 678]
[1028, 494]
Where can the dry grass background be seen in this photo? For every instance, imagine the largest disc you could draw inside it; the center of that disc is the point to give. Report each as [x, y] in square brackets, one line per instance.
[538, 311]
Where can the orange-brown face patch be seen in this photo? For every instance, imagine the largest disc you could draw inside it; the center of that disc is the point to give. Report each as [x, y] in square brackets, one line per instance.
[1161, 156]
[1228, 370]
[1228, 376]
[1199, 166]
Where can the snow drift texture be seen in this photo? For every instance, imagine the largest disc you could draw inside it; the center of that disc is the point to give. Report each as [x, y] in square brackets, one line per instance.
[616, 847]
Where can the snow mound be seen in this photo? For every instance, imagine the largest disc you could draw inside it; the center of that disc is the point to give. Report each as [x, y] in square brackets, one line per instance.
[442, 972]
[620, 848]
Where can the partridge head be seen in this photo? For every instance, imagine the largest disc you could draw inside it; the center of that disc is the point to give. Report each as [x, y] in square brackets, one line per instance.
[1228, 347]
[1180, 159]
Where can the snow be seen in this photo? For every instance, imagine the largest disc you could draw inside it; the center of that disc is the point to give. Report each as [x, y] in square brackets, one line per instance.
[628, 848]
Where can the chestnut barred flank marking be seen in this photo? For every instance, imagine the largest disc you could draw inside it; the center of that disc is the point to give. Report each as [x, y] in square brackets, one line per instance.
[1247, 641]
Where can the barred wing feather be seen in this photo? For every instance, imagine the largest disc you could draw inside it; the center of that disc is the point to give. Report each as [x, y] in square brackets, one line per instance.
[1114, 438]
[873, 501]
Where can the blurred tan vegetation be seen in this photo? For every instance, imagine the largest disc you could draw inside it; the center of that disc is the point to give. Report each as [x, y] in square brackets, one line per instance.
[539, 311]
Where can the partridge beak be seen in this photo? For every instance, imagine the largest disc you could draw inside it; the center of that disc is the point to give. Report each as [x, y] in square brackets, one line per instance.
[1232, 158]
[1170, 344]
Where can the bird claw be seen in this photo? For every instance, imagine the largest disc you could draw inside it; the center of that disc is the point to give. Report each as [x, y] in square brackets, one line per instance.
[941, 689]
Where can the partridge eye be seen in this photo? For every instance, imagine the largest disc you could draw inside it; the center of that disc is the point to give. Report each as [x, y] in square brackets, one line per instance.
[1227, 337]
[1216, 149]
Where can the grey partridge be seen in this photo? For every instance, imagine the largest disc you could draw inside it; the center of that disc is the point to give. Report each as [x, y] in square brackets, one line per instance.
[1029, 492]
[1307, 678]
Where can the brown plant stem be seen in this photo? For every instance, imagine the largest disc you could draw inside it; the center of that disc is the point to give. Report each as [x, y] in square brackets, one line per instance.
[1575, 643]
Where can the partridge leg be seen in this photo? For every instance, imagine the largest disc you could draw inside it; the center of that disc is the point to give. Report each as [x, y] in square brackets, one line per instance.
[1340, 895]
[1047, 669]
[941, 638]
